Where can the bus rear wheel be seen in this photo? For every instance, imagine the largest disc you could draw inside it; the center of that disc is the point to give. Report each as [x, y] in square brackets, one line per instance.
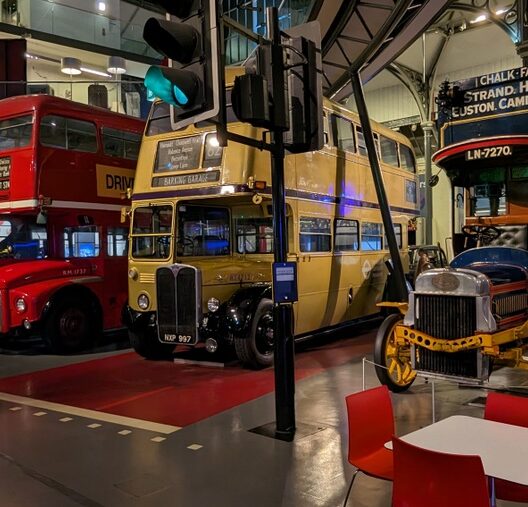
[392, 359]
[256, 349]
[71, 326]
[147, 345]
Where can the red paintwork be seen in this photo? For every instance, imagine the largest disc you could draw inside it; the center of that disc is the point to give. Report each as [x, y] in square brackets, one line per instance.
[170, 393]
[54, 174]
[460, 148]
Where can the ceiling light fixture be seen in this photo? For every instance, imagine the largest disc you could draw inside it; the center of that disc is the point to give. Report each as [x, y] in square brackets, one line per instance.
[70, 66]
[101, 6]
[116, 65]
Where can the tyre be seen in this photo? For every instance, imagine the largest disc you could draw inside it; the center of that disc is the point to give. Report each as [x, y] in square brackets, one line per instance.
[72, 325]
[394, 359]
[256, 349]
[147, 345]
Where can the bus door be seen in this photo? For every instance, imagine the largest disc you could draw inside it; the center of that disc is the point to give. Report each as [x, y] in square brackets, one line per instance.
[115, 244]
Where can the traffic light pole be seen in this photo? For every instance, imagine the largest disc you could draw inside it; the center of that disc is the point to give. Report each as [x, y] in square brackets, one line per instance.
[282, 312]
[397, 274]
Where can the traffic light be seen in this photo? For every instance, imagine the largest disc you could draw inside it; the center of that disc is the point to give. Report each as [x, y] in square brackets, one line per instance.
[192, 83]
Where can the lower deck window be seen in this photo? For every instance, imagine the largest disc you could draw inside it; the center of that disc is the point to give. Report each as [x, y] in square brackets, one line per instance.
[203, 231]
[254, 235]
[371, 236]
[81, 241]
[315, 234]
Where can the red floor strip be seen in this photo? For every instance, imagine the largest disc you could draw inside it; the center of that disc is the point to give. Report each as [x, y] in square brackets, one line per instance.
[165, 392]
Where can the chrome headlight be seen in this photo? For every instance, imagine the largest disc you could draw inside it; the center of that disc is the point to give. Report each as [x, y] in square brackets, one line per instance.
[20, 305]
[143, 301]
[213, 304]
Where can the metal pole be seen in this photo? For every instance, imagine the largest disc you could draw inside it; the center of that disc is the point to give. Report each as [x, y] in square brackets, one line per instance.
[428, 132]
[398, 274]
[282, 313]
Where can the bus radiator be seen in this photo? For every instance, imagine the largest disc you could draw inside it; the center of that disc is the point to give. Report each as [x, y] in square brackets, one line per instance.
[177, 289]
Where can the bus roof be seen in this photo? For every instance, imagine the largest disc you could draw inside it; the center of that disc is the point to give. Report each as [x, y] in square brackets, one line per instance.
[26, 103]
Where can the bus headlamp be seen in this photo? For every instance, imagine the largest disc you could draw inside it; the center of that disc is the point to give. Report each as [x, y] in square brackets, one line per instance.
[143, 301]
[133, 273]
[213, 304]
[20, 305]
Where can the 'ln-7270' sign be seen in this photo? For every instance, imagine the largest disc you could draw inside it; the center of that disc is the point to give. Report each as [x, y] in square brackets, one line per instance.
[489, 152]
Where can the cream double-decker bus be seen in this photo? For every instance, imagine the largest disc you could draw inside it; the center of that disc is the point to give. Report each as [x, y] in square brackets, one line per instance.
[201, 239]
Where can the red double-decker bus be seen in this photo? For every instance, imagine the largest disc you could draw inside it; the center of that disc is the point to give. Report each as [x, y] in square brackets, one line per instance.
[64, 171]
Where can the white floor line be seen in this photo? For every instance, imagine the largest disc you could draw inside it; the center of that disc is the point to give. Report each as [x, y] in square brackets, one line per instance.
[131, 422]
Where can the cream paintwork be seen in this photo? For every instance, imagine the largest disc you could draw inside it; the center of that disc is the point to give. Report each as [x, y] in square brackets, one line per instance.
[324, 280]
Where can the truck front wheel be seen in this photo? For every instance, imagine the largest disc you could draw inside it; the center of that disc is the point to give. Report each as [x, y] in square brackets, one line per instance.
[256, 349]
[71, 326]
[393, 362]
[147, 345]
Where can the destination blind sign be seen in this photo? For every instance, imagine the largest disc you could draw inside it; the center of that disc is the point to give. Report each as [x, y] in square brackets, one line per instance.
[5, 173]
[186, 179]
[489, 152]
[492, 94]
[178, 154]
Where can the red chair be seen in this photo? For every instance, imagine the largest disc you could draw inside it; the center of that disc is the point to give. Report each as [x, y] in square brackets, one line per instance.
[370, 426]
[508, 409]
[436, 479]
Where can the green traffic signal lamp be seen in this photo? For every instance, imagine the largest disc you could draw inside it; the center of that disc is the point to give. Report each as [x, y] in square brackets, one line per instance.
[176, 87]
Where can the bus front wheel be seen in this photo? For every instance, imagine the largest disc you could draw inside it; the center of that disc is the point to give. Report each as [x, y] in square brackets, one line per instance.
[71, 326]
[147, 345]
[256, 349]
[393, 361]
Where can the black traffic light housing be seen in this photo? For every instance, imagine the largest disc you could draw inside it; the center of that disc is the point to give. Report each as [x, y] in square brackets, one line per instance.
[192, 83]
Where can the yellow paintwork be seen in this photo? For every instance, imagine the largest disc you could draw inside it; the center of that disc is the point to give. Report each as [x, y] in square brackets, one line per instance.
[325, 280]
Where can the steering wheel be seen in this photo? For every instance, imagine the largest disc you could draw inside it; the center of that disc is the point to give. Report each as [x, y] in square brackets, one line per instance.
[481, 233]
[184, 241]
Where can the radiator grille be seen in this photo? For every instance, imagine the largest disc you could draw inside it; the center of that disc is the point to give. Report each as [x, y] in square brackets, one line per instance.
[446, 317]
[166, 296]
[186, 297]
[177, 299]
[510, 304]
[459, 364]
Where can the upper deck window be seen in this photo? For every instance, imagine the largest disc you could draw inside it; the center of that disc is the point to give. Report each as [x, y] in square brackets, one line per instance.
[343, 134]
[159, 121]
[389, 151]
[407, 158]
[68, 133]
[362, 147]
[120, 143]
[16, 132]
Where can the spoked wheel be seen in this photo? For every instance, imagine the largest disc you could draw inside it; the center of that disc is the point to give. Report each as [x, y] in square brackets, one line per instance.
[256, 350]
[395, 369]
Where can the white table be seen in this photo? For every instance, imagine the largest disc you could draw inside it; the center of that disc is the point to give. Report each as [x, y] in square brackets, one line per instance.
[503, 448]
